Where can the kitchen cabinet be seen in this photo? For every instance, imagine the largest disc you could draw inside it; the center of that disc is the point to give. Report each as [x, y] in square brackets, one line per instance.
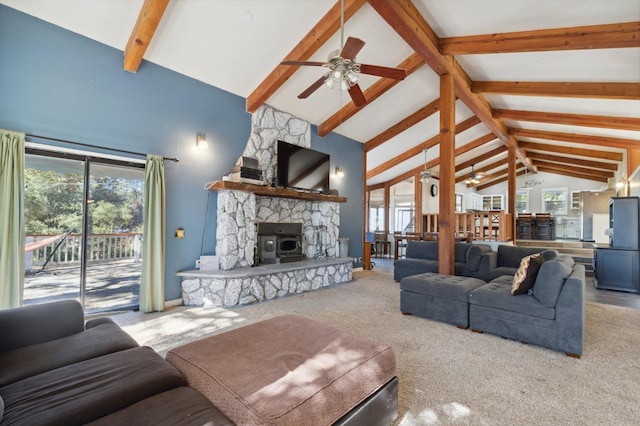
[492, 202]
[473, 201]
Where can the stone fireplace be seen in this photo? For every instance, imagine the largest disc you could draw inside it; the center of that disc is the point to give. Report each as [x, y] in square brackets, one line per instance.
[240, 212]
[286, 226]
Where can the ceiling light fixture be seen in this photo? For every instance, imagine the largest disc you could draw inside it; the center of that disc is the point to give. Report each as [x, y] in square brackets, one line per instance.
[201, 142]
[344, 72]
[425, 175]
[472, 179]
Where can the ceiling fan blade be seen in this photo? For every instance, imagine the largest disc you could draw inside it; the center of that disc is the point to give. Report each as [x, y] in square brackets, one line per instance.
[315, 86]
[396, 73]
[303, 63]
[357, 96]
[351, 48]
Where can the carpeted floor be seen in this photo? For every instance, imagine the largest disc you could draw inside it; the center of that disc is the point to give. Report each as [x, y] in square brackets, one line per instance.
[450, 376]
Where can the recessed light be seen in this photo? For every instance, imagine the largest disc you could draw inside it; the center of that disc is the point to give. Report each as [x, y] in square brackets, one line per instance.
[245, 17]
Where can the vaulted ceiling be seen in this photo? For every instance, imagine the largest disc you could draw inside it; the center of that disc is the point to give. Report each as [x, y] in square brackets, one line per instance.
[559, 80]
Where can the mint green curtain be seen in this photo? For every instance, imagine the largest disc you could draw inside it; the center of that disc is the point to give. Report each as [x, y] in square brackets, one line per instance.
[11, 218]
[153, 237]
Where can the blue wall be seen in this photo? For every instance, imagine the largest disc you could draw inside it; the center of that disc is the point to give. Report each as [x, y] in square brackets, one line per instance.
[59, 84]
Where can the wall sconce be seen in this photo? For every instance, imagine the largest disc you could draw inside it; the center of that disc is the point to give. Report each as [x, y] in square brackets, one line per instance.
[339, 172]
[201, 142]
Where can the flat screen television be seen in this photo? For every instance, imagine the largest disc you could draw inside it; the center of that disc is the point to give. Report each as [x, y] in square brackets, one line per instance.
[302, 168]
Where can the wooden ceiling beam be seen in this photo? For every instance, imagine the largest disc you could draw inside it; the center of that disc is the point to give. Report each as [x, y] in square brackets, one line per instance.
[484, 169]
[319, 35]
[476, 143]
[574, 175]
[573, 169]
[140, 38]
[496, 151]
[402, 125]
[404, 156]
[580, 152]
[504, 178]
[373, 92]
[600, 121]
[574, 161]
[607, 36]
[417, 170]
[499, 174]
[575, 137]
[407, 21]
[624, 91]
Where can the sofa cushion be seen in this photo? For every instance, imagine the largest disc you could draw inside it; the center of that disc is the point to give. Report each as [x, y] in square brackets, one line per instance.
[33, 324]
[422, 249]
[407, 267]
[510, 256]
[474, 254]
[180, 406]
[549, 254]
[85, 391]
[105, 337]
[497, 295]
[441, 286]
[550, 279]
[525, 276]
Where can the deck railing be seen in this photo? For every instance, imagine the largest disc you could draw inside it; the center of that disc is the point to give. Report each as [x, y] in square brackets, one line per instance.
[492, 225]
[67, 248]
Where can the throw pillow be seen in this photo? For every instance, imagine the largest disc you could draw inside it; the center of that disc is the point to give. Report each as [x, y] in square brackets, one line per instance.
[526, 274]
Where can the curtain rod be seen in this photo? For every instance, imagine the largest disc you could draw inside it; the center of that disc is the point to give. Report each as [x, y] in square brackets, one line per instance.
[94, 146]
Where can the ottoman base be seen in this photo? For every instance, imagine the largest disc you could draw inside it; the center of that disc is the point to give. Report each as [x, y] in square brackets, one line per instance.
[439, 297]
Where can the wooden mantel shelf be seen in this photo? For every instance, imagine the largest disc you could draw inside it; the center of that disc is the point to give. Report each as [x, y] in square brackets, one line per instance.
[270, 191]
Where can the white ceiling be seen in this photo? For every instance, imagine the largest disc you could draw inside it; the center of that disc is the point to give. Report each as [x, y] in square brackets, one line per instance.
[213, 41]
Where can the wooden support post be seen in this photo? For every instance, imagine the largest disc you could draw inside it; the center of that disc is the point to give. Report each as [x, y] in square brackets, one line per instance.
[417, 213]
[446, 248]
[511, 190]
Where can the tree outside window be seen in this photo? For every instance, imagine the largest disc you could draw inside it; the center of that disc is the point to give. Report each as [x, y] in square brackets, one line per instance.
[554, 200]
[522, 201]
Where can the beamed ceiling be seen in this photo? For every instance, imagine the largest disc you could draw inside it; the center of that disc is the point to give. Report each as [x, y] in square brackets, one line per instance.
[558, 80]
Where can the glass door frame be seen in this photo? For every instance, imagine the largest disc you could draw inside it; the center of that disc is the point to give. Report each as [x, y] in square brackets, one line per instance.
[87, 160]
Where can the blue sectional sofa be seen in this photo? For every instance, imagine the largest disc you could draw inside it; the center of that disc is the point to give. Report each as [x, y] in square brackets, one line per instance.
[422, 256]
[550, 314]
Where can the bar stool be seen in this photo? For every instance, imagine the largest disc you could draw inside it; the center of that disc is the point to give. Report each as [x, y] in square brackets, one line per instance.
[525, 230]
[543, 226]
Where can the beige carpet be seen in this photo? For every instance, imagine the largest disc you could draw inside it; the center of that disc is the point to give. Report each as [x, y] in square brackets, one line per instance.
[450, 376]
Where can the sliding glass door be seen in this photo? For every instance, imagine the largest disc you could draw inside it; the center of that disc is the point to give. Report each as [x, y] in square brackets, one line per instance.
[83, 231]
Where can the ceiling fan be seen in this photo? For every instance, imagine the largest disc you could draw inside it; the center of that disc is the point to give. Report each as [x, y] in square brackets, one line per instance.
[473, 178]
[344, 70]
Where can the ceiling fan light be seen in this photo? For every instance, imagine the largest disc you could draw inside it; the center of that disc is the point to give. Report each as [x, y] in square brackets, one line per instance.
[352, 77]
[337, 75]
[344, 85]
[330, 83]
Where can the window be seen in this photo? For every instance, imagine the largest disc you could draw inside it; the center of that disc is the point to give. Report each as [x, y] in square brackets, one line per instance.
[554, 200]
[459, 203]
[522, 201]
